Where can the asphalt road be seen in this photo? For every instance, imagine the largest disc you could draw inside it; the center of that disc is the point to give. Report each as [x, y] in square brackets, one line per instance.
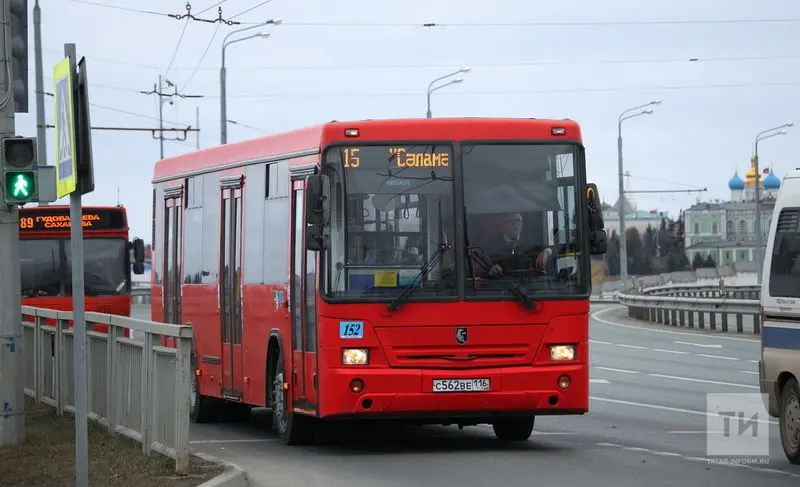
[646, 427]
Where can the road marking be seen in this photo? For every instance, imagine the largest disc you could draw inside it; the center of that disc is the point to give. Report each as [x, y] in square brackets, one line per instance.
[703, 345]
[600, 342]
[632, 346]
[748, 372]
[698, 459]
[698, 432]
[250, 440]
[704, 381]
[717, 336]
[611, 369]
[599, 381]
[677, 352]
[665, 408]
[753, 361]
[718, 357]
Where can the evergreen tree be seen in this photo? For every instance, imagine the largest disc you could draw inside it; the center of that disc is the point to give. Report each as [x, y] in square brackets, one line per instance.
[698, 262]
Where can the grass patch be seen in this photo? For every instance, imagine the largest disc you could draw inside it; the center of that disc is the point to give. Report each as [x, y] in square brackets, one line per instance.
[47, 459]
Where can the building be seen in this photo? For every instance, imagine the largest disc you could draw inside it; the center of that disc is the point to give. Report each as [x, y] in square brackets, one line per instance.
[726, 230]
[634, 218]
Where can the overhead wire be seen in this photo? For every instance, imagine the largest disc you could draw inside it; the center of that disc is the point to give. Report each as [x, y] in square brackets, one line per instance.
[202, 56]
[177, 47]
[250, 9]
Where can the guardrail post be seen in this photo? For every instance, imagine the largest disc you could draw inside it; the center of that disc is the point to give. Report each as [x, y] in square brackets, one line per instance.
[148, 359]
[183, 391]
[38, 359]
[58, 373]
[739, 323]
[757, 324]
[111, 378]
[724, 321]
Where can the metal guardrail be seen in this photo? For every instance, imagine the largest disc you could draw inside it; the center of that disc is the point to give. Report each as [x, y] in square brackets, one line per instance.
[137, 388]
[680, 305]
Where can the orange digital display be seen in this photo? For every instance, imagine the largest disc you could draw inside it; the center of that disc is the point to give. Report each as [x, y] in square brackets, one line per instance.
[421, 156]
[39, 221]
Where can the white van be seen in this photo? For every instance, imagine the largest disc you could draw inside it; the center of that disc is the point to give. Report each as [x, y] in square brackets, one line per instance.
[779, 367]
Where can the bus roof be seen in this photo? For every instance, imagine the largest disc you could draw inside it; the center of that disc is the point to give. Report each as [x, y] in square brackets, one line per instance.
[307, 141]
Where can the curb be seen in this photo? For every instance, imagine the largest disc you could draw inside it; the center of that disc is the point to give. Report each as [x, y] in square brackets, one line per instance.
[233, 476]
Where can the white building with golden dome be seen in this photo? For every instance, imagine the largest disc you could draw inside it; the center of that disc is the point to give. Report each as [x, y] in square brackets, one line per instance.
[726, 230]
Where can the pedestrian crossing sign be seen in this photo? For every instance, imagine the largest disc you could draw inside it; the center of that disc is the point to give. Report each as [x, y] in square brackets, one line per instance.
[64, 109]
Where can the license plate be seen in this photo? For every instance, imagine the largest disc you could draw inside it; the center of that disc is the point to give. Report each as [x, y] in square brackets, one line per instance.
[461, 385]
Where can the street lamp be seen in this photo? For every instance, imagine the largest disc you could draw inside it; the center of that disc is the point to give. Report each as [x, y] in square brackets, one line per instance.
[765, 134]
[431, 88]
[623, 237]
[223, 107]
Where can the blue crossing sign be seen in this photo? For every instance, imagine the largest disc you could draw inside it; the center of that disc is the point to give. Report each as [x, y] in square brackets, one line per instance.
[66, 166]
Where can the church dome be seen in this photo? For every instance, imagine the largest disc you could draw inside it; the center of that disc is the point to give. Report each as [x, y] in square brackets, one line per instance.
[772, 181]
[736, 182]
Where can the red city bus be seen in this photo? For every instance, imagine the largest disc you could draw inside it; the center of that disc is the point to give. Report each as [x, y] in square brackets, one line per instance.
[45, 263]
[350, 271]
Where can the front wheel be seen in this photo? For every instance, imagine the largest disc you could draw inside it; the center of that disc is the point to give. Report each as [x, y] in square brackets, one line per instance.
[294, 429]
[790, 421]
[513, 429]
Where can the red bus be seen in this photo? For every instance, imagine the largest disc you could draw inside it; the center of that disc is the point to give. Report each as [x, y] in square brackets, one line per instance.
[45, 262]
[352, 271]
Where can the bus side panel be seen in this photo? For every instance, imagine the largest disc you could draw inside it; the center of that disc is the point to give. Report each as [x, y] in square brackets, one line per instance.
[201, 310]
[264, 311]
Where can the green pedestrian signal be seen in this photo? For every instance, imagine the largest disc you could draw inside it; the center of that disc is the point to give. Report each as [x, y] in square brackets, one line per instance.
[20, 186]
[20, 170]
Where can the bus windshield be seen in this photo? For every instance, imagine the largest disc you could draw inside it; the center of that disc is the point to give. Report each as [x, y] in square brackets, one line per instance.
[46, 267]
[391, 210]
[521, 221]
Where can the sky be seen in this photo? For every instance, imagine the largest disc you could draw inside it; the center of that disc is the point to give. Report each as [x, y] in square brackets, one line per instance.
[359, 59]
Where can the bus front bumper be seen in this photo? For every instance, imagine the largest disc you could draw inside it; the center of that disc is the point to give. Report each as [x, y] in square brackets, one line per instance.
[409, 393]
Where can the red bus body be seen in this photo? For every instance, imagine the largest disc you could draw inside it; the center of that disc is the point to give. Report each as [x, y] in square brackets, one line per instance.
[45, 261]
[239, 206]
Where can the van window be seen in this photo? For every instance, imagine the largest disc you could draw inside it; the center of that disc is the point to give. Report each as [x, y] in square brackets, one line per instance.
[784, 280]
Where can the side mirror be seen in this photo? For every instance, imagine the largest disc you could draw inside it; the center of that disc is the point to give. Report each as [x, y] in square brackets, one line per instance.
[598, 242]
[594, 210]
[318, 204]
[316, 239]
[138, 251]
[138, 268]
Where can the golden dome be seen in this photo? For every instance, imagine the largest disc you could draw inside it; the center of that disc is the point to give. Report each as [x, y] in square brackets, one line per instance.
[751, 176]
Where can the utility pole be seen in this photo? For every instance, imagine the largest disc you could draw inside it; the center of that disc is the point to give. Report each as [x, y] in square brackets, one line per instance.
[163, 97]
[12, 392]
[41, 133]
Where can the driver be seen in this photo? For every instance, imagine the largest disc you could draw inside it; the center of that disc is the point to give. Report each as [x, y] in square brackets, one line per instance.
[508, 252]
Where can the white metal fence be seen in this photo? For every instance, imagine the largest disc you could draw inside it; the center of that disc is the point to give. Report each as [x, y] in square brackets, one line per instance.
[137, 387]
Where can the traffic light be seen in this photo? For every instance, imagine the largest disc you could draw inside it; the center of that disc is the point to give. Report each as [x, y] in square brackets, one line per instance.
[18, 25]
[20, 174]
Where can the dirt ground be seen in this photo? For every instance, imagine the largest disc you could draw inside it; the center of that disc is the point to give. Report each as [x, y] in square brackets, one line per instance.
[48, 457]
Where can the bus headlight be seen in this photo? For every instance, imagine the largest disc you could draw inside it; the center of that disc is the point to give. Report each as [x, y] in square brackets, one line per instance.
[562, 352]
[355, 356]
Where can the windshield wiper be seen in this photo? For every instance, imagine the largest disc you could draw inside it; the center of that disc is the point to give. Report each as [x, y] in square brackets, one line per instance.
[511, 286]
[426, 267]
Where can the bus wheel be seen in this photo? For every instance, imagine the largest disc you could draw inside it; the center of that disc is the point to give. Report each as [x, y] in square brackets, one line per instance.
[202, 409]
[294, 429]
[513, 429]
[790, 420]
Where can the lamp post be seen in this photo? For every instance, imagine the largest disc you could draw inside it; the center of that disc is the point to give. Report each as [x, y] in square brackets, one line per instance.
[431, 88]
[623, 237]
[765, 134]
[223, 107]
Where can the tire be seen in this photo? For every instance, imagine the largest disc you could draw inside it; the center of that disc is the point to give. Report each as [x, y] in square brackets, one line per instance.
[513, 429]
[789, 415]
[293, 429]
[202, 409]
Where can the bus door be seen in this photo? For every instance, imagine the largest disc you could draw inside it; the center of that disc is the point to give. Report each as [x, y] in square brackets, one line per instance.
[230, 287]
[303, 306]
[173, 236]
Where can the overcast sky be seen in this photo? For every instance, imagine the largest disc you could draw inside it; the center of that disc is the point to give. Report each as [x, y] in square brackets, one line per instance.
[356, 59]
